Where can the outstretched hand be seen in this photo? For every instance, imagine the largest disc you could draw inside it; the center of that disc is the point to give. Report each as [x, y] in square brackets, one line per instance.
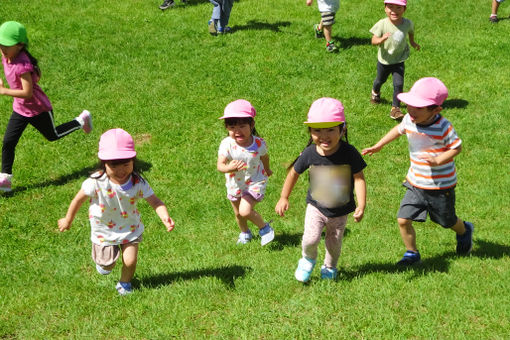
[282, 206]
[63, 224]
[169, 224]
[370, 151]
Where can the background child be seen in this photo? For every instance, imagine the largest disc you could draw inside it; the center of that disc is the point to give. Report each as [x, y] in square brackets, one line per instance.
[494, 13]
[328, 9]
[169, 3]
[390, 35]
[220, 16]
[431, 179]
[243, 158]
[31, 105]
[336, 167]
[113, 192]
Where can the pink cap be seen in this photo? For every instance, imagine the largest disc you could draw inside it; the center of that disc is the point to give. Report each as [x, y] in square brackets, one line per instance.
[325, 113]
[116, 144]
[425, 92]
[396, 2]
[239, 109]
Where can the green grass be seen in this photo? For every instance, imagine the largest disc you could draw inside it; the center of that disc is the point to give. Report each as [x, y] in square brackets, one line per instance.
[160, 76]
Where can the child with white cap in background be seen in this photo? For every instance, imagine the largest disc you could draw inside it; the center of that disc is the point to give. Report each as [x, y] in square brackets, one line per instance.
[30, 105]
[336, 169]
[113, 191]
[432, 177]
[243, 158]
[390, 35]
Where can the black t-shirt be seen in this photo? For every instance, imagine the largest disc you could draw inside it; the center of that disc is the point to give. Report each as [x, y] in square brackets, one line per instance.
[331, 180]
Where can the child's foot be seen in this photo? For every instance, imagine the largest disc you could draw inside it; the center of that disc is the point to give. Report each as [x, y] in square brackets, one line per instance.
[328, 273]
[225, 30]
[494, 19]
[212, 27]
[124, 288]
[409, 258]
[375, 98]
[5, 182]
[266, 234]
[330, 47]
[166, 4]
[396, 114]
[318, 32]
[465, 241]
[86, 118]
[102, 271]
[245, 237]
[304, 269]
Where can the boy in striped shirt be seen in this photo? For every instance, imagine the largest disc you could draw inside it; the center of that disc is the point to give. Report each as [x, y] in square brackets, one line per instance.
[431, 179]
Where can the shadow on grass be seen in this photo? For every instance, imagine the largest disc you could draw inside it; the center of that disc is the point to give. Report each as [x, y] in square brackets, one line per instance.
[292, 240]
[259, 25]
[346, 43]
[82, 173]
[455, 103]
[439, 263]
[227, 274]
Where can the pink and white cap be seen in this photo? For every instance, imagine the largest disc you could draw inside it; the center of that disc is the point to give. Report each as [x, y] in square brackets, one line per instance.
[325, 113]
[396, 2]
[425, 92]
[240, 108]
[116, 144]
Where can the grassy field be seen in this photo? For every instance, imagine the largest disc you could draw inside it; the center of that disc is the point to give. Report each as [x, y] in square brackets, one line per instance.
[163, 78]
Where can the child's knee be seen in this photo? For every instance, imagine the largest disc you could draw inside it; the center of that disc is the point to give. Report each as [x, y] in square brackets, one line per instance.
[404, 222]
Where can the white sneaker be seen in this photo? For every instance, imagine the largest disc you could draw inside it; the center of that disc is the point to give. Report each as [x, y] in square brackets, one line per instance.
[5, 182]
[304, 269]
[102, 271]
[244, 237]
[124, 288]
[86, 117]
[266, 234]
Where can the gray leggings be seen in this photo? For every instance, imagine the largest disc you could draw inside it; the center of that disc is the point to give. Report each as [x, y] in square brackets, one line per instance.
[397, 73]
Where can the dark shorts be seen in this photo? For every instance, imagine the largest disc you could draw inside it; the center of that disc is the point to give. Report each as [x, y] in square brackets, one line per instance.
[439, 204]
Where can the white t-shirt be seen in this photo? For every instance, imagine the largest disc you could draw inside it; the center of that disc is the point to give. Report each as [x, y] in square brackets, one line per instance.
[114, 217]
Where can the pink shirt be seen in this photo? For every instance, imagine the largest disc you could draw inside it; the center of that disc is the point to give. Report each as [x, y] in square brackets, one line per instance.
[39, 102]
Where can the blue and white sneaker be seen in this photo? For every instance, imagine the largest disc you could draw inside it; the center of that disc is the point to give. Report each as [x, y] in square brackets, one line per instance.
[304, 269]
[266, 234]
[409, 258]
[102, 271]
[465, 241]
[124, 288]
[328, 273]
[244, 237]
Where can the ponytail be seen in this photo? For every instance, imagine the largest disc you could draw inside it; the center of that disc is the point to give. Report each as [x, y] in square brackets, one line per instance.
[34, 62]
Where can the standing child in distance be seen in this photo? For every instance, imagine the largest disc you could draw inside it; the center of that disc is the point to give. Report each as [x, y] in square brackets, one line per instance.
[243, 158]
[431, 179]
[390, 35]
[30, 105]
[336, 168]
[218, 24]
[324, 29]
[113, 192]
[494, 11]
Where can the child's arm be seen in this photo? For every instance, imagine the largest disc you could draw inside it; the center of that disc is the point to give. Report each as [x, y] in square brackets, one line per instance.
[224, 165]
[413, 43]
[283, 204]
[379, 40]
[265, 161]
[161, 210]
[389, 137]
[443, 158]
[26, 87]
[78, 200]
[360, 187]
[309, 2]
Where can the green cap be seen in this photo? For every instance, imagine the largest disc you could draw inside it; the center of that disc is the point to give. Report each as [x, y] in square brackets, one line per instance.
[12, 33]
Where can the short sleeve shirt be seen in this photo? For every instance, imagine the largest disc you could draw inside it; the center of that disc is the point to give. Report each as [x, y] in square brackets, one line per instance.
[395, 49]
[39, 102]
[253, 177]
[331, 178]
[114, 217]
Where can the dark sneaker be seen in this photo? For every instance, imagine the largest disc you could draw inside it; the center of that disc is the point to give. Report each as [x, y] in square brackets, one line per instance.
[225, 30]
[166, 4]
[330, 47]
[409, 258]
[494, 19]
[375, 98]
[396, 114]
[318, 33]
[465, 241]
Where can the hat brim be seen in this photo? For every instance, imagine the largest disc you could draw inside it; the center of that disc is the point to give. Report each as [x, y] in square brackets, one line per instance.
[111, 156]
[240, 115]
[415, 101]
[4, 41]
[322, 125]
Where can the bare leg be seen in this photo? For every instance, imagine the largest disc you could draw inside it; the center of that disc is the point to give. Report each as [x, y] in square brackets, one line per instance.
[246, 210]
[407, 233]
[459, 227]
[242, 222]
[129, 259]
[327, 32]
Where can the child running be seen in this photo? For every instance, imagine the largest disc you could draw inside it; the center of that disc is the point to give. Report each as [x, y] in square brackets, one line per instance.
[218, 24]
[243, 158]
[324, 29]
[390, 35]
[115, 222]
[336, 168]
[31, 105]
[431, 179]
